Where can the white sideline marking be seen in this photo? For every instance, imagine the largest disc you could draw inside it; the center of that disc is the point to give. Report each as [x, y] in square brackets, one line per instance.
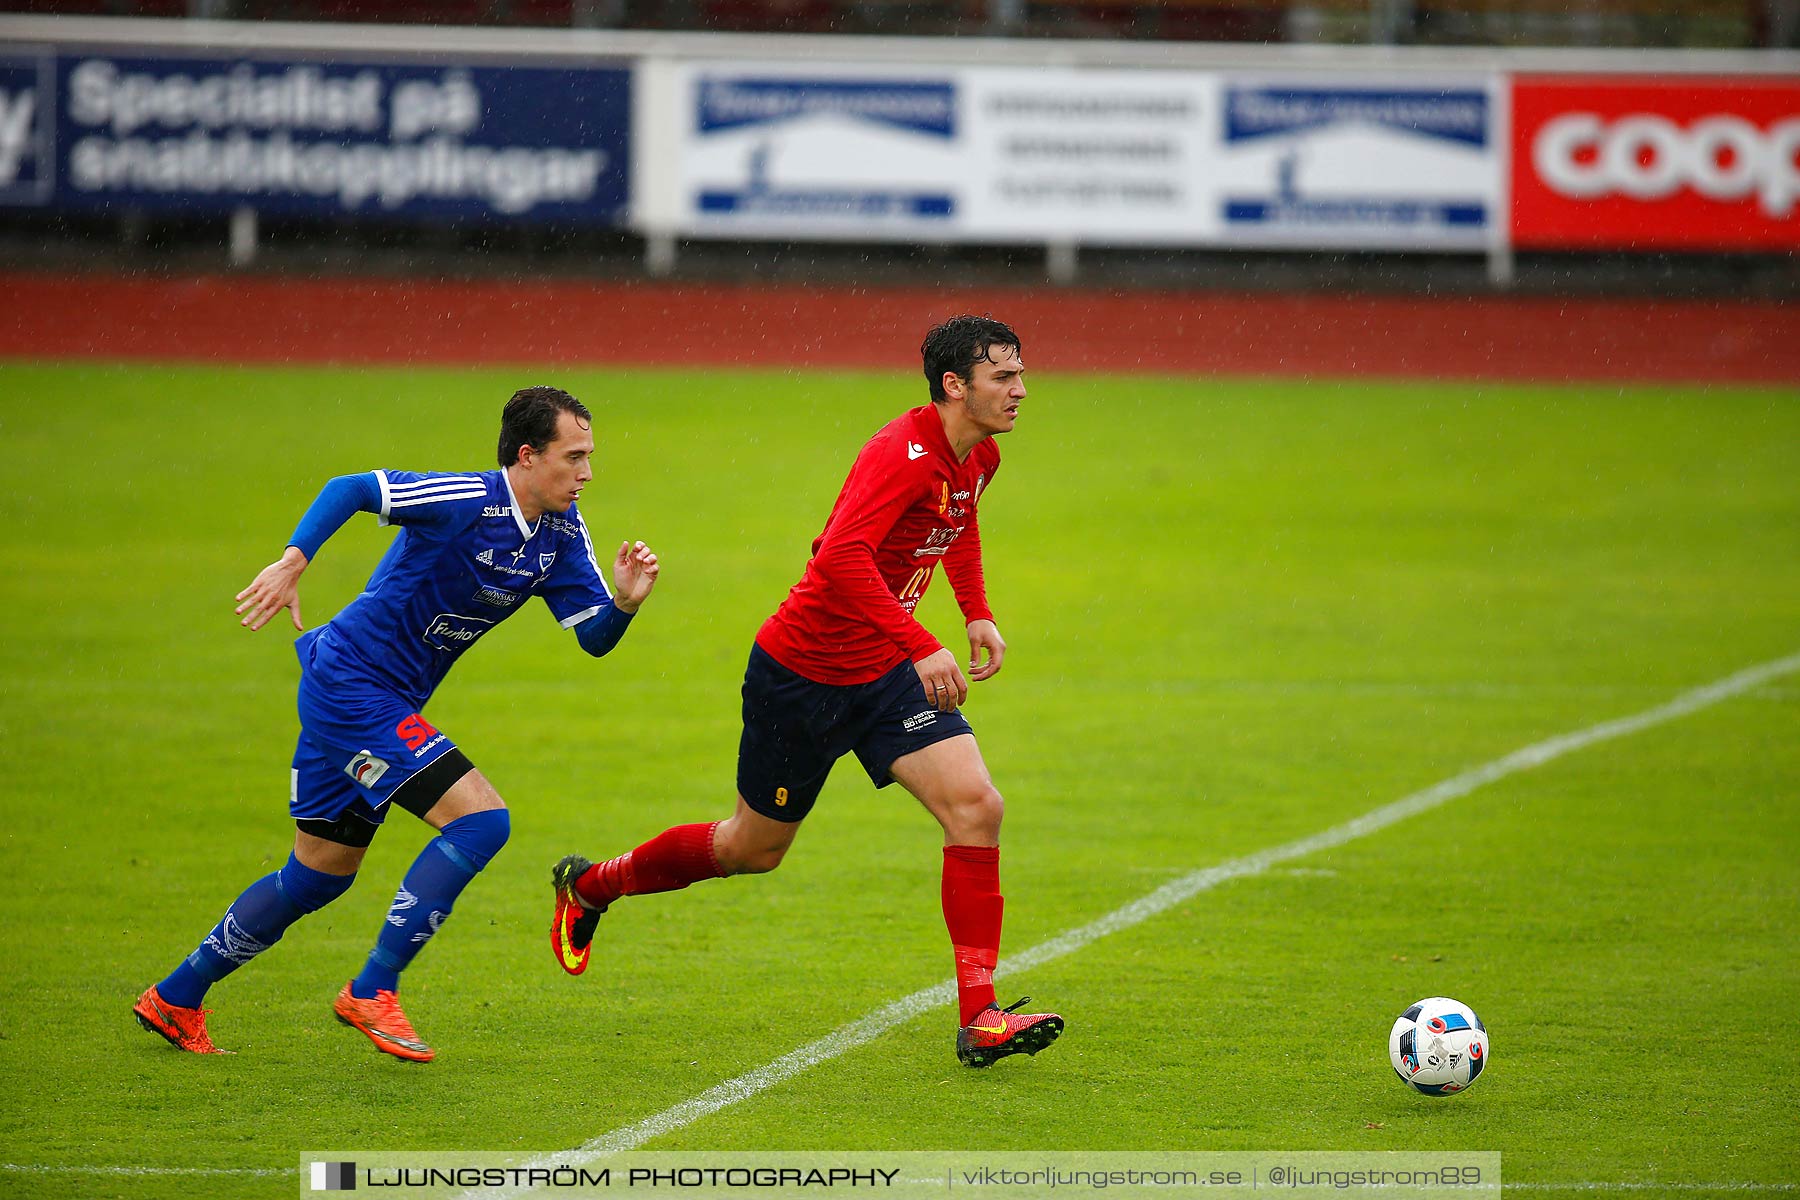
[1589, 1186]
[59, 1169]
[850, 1036]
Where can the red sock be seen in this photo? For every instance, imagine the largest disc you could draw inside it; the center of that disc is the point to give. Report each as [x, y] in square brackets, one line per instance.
[972, 908]
[667, 862]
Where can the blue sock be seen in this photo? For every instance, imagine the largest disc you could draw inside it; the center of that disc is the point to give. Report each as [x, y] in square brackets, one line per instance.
[436, 878]
[254, 922]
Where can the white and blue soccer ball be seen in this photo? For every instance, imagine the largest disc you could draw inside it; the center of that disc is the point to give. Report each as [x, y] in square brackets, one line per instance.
[1439, 1046]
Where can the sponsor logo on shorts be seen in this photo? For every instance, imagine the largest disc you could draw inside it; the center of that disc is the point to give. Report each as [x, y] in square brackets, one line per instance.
[453, 631]
[418, 735]
[414, 731]
[365, 768]
[920, 720]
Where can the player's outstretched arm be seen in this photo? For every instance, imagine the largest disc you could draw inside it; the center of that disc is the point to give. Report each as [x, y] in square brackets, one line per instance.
[984, 634]
[634, 574]
[276, 586]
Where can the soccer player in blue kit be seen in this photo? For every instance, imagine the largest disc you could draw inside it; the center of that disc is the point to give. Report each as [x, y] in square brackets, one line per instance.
[472, 549]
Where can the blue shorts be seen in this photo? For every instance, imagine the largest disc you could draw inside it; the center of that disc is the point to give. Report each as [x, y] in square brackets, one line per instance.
[795, 730]
[361, 747]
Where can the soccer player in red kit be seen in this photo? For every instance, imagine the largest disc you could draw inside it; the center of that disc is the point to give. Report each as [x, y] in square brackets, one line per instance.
[843, 666]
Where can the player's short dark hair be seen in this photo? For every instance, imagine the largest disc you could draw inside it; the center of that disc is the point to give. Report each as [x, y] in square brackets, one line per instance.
[529, 419]
[958, 344]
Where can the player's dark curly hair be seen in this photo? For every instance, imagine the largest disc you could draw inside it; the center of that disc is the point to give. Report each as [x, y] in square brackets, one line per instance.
[529, 419]
[958, 344]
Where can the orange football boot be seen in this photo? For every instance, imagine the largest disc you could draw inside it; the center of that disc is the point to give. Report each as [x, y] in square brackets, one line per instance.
[385, 1024]
[185, 1028]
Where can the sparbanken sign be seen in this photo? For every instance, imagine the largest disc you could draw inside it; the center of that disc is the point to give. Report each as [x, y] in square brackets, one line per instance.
[1667, 163]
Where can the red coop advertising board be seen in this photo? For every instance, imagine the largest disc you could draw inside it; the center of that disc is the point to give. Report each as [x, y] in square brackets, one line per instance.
[1665, 163]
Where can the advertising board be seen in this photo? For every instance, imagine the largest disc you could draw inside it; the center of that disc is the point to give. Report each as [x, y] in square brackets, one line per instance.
[290, 134]
[790, 150]
[1358, 162]
[1093, 156]
[1638, 163]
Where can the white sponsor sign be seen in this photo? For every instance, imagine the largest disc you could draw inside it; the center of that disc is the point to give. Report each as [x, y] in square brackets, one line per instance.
[802, 150]
[1096, 156]
[1090, 156]
[1305, 160]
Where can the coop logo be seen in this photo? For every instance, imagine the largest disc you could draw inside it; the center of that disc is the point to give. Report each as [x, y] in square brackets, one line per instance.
[27, 164]
[334, 1177]
[1648, 164]
[453, 631]
[1647, 156]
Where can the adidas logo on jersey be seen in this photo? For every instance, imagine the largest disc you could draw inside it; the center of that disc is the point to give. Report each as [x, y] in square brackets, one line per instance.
[485, 558]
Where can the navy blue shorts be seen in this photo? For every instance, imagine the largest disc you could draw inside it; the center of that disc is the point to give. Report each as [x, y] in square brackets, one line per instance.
[795, 730]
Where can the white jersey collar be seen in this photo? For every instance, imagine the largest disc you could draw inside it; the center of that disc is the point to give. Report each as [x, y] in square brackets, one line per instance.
[527, 531]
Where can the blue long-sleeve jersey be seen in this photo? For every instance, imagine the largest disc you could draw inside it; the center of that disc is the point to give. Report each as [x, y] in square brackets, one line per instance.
[464, 561]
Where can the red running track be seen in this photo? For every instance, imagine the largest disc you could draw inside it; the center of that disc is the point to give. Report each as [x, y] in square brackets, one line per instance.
[248, 319]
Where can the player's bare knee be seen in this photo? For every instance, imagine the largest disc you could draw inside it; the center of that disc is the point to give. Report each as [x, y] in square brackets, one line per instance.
[976, 816]
[736, 858]
[739, 853]
[759, 861]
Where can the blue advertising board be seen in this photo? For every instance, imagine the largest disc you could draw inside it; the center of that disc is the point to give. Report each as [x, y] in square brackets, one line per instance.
[309, 136]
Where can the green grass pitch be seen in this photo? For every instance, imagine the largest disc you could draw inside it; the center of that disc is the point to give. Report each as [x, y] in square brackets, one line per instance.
[1239, 613]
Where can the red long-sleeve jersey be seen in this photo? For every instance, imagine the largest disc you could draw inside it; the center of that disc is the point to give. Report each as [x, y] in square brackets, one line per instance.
[906, 506]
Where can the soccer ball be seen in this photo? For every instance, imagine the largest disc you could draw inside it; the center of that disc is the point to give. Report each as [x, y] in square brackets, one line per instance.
[1439, 1046]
